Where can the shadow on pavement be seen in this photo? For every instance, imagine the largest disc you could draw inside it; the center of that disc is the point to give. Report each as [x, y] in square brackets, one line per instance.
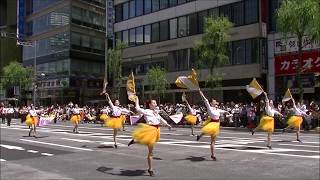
[194, 159]
[124, 172]
[157, 158]
[103, 169]
[104, 146]
[41, 137]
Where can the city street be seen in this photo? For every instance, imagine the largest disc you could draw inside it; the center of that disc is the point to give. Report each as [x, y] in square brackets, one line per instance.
[58, 153]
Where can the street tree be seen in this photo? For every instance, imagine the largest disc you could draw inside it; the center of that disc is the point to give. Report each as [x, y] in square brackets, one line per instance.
[212, 48]
[300, 19]
[14, 74]
[115, 66]
[156, 79]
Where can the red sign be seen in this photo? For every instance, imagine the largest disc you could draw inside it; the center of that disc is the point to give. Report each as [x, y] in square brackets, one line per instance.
[287, 64]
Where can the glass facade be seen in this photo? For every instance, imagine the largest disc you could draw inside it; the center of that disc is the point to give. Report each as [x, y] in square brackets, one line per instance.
[36, 5]
[87, 43]
[88, 18]
[136, 8]
[193, 24]
[48, 21]
[240, 52]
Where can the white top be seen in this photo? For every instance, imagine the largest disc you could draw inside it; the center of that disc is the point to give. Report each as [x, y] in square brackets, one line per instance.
[75, 110]
[10, 110]
[269, 110]
[297, 111]
[151, 116]
[105, 110]
[213, 113]
[191, 110]
[33, 113]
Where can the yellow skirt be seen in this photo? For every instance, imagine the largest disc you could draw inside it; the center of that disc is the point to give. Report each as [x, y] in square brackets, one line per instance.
[114, 123]
[31, 120]
[75, 119]
[146, 134]
[124, 118]
[266, 124]
[211, 128]
[104, 117]
[191, 119]
[295, 121]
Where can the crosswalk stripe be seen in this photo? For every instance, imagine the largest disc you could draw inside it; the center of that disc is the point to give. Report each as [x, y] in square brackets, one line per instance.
[59, 145]
[300, 145]
[32, 151]
[47, 154]
[12, 147]
[2, 160]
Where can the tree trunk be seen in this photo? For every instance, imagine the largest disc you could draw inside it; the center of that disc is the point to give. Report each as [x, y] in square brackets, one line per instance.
[299, 68]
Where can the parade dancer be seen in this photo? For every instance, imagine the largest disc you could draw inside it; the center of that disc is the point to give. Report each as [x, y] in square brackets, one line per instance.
[104, 115]
[212, 125]
[191, 118]
[148, 134]
[296, 120]
[117, 118]
[267, 121]
[32, 121]
[75, 118]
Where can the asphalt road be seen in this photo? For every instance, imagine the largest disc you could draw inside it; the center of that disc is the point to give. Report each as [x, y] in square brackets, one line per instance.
[60, 154]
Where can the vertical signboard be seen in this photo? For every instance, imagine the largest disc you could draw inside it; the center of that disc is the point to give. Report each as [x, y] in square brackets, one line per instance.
[20, 20]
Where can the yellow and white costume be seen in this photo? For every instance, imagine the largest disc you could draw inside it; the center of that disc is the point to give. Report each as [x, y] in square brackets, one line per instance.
[267, 121]
[104, 114]
[32, 118]
[295, 121]
[212, 125]
[191, 118]
[75, 118]
[117, 118]
[149, 133]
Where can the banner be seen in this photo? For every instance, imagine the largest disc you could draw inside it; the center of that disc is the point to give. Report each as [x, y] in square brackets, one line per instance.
[254, 88]
[287, 64]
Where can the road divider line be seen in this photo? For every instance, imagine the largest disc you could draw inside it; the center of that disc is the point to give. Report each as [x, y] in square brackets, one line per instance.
[47, 154]
[59, 145]
[2, 160]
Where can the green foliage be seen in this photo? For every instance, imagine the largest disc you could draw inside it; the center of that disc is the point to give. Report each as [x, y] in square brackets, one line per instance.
[214, 80]
[212, 47]
[299, 18]
[15, 74]
[114, 61]
[156, 78]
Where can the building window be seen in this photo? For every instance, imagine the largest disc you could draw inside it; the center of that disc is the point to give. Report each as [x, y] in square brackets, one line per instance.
[85, 41]
[214, 12]
[173, 28]
[172, 3]
[139, 7]
[118, 13]
[226, 12]
[164, 30]
[238, 14]
[182, 1]
[147, 34]
[76, 13]
[252, 51]
[182, 26]
[132, 9]
[75, 39]
[251, 11]
[125, 11]
[118, 36]
[155, 5]
[201, 17]
[147, 6]
[155, 32]
[193, 24]
[125, 37]
[238, 50]
[139, 35]
[132, 37]
[163, 4]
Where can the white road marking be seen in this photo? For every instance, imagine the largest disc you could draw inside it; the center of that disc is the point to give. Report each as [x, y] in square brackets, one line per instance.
[59, 145]
[12, 147]
[32, 151]
[47, 154]
[2, 160]
[301, 145]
